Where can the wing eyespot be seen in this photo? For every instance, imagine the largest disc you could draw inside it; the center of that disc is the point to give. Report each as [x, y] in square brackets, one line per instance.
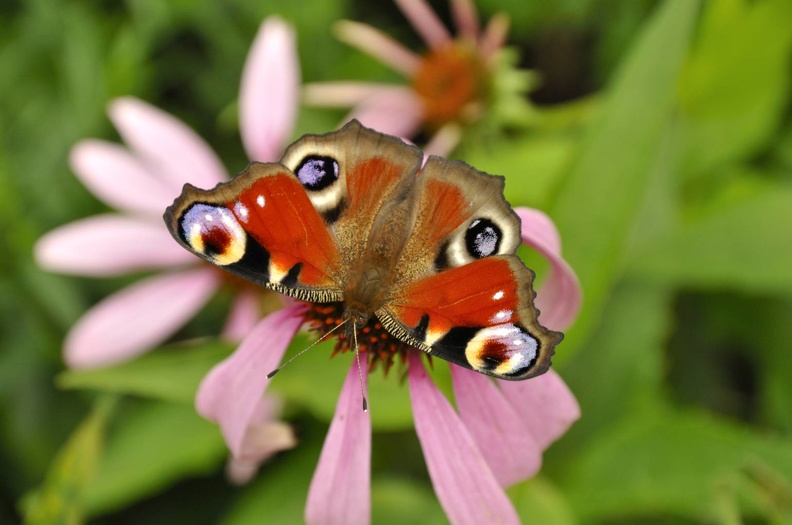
[317, 172]
[213, 233]
[483, 238]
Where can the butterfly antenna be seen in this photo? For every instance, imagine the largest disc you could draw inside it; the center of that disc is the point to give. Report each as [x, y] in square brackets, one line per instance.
[360, 369]
[301, 352]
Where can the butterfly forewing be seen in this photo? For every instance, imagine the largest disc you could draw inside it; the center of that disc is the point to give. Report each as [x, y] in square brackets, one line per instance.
[261, 226]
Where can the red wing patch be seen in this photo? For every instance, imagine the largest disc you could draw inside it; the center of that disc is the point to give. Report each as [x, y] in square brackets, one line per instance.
[277, 213]
[480, 316]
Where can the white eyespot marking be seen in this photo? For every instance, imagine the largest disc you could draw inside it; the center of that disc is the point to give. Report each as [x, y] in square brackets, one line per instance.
[504, 349]
[502, 316]
[260, 201]
[241, 211]
[214, 233]
[498, 295]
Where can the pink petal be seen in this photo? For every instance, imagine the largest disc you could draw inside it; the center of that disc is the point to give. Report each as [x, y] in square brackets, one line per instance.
[444, 140]
[230, 392]
[138, 318]
[244, 315]
[425, 22]
[465, 18]
[502, 436]
[270, 91]
[340, 491]
[545, 404]
[340, 94]
[494, 36]
[166, 145]
[264, 437]
[106, 245]
[262, 441]
[378, 45]
[560, 296]
[118, 178]
[396, 111]
[463, 482]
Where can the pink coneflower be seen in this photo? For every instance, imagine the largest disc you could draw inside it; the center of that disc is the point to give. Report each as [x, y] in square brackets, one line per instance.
[140, 181]
[451, 85]
[493, 439]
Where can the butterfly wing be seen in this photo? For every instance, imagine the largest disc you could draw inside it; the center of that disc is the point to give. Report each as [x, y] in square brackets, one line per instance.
[472, 303]
[263, 227]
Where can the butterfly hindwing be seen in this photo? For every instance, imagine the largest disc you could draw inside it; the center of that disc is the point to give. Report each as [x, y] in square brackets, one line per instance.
[479, 316]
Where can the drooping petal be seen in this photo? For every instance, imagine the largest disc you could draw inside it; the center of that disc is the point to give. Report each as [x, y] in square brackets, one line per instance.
[265, 440]
[340, 490]
[465, 18]
[545, 404]
[463, 482]
[396, 111]
[106, 245]
[244, 315]
[166, 145]
[503, 438]
[118, 178]
[264, 437]
[378, 45]
[230, 392]
[560, 296]
[425, 22]
[270, 92]
[138, 318]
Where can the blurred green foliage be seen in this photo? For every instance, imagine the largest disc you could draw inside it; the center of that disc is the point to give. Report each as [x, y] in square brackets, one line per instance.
[665, 159]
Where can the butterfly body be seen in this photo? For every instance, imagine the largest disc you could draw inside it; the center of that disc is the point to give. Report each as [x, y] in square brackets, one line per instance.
[353, 217]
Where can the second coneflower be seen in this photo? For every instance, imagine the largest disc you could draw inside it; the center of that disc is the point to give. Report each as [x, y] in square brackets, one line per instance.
[456, 83]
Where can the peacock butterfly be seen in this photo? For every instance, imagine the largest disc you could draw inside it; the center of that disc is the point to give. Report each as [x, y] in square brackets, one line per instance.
[352, 217]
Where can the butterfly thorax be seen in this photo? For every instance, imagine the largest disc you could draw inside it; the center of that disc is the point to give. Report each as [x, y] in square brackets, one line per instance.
[370, 280]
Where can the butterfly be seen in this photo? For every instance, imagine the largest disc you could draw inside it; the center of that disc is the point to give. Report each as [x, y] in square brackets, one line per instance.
[356, 219]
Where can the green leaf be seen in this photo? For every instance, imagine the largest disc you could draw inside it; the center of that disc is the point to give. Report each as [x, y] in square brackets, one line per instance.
[279, 492]
[148, 449]
[171, 374]
[539, 501]
[532, 165]
[620, 370]
[60, 499]
[395, 501]
[599, 199]
[675, 464]
[745, 245]
[735, 87]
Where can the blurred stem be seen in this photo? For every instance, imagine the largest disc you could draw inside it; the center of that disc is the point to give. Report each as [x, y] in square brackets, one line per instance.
[59, 499]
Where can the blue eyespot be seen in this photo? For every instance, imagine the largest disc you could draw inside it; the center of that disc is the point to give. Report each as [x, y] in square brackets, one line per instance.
[482, 238]
[316, 172]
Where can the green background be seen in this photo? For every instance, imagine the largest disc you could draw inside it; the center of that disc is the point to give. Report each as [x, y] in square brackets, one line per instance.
[662, 148]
